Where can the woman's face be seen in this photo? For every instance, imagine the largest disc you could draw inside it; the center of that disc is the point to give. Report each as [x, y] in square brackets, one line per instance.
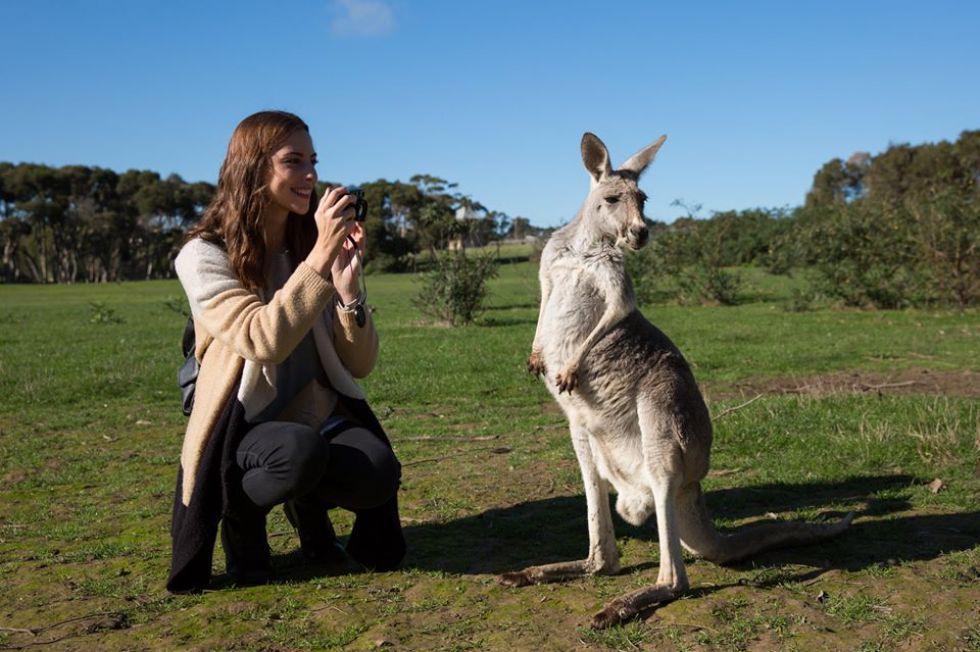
[293, 173]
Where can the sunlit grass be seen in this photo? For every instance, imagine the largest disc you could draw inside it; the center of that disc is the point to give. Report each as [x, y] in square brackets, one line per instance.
[90, 434]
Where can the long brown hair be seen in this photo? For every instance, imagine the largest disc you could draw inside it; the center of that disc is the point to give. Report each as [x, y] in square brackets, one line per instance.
[233, 219]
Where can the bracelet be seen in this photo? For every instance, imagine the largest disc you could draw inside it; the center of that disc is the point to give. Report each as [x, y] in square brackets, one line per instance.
[350, 307]
[357, 307]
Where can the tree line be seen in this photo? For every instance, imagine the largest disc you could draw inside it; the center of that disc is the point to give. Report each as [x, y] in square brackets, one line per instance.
[78, 223]
[90, 224]
[897, 229]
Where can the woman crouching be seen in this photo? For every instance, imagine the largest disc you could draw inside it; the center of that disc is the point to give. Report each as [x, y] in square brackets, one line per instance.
[272, 278]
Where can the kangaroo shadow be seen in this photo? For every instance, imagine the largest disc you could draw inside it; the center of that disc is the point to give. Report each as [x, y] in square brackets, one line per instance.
[555, 529]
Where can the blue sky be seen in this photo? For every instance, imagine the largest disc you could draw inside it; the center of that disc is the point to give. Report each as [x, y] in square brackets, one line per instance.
[754, 96]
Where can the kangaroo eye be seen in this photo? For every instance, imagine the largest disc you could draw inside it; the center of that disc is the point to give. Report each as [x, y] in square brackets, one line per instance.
[612, 199]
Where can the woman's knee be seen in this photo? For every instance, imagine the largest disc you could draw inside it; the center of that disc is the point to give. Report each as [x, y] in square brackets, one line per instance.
[387, 477]
[368, 471]
[305, 453]
[282, 460]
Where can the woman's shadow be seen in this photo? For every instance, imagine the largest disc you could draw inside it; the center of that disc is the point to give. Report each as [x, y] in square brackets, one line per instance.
[554, 529]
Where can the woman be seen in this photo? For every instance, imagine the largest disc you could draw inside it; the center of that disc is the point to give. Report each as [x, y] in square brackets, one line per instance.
[272, 280]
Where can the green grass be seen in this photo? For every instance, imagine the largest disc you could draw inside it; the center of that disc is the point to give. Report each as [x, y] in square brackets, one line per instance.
[90, 434]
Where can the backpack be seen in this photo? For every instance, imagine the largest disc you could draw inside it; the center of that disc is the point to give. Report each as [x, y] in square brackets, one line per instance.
[187, 374]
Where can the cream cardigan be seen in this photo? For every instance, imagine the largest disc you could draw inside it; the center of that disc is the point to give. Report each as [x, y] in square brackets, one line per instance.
[238, 333]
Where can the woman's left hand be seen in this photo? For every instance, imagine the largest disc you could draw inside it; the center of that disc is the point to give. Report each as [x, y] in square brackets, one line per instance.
[346, 268]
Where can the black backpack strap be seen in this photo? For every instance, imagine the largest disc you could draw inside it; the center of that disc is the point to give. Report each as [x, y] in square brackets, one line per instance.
[187, 374]
[188, 340]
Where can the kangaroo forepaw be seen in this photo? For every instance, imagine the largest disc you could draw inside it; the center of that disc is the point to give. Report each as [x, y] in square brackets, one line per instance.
[567, 380]
[516, 579]
[535, 364]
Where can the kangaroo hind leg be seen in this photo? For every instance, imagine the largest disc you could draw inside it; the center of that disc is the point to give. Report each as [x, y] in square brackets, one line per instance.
[603, 557]
[663, 460]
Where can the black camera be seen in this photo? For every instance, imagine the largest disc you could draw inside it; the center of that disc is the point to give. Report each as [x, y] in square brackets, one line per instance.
[360, 206]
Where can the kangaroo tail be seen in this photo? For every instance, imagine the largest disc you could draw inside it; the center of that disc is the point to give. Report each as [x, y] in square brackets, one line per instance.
[700, 536]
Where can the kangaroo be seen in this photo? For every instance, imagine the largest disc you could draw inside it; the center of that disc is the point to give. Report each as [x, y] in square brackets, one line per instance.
[637, 419]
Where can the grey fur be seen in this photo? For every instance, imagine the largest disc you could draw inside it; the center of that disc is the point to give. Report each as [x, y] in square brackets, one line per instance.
[637, 419]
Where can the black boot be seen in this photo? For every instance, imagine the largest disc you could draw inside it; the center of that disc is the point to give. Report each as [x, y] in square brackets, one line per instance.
[317, 540]
[247, 555]
[377, 540]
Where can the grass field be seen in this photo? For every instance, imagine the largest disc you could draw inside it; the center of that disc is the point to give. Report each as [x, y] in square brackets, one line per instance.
[816, 413]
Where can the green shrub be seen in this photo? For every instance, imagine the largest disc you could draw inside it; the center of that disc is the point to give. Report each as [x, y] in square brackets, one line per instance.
[898, 229]
[864, 255]
[453, 292]
[707, 283]
[643, 269]
[102, 314]
[946, 228]
[693, 256]
[800, 300]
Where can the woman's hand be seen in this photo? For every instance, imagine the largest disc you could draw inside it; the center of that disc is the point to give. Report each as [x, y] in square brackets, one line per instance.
[334, 220]
[346, 268]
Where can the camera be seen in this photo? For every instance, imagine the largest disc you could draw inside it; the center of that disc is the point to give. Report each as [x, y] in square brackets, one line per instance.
[359, 204]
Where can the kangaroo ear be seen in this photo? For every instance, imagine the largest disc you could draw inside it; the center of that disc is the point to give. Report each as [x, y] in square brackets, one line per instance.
[595, 156]
[639, 161]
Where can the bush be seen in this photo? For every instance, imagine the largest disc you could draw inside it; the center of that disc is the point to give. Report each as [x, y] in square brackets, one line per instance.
[801, 300]
[453, 292]
[642, 267]
[899, 229]
[684, 262]
[947, 234]
[692, 254]
[102, 314]
[865, 256]
[703, 283]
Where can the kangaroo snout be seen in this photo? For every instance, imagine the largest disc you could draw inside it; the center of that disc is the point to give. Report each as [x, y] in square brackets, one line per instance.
[638, 236]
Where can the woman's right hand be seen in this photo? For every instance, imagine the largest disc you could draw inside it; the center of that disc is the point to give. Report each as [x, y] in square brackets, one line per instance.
[334, 219]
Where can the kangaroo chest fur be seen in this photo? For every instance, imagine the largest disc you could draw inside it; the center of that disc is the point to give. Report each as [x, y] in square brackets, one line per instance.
[576, 302]
[581, 284]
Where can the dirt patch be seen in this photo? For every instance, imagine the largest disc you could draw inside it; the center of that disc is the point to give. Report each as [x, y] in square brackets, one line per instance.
[904, 382]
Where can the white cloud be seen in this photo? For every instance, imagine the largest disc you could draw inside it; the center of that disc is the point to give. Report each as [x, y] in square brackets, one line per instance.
[362, 18]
